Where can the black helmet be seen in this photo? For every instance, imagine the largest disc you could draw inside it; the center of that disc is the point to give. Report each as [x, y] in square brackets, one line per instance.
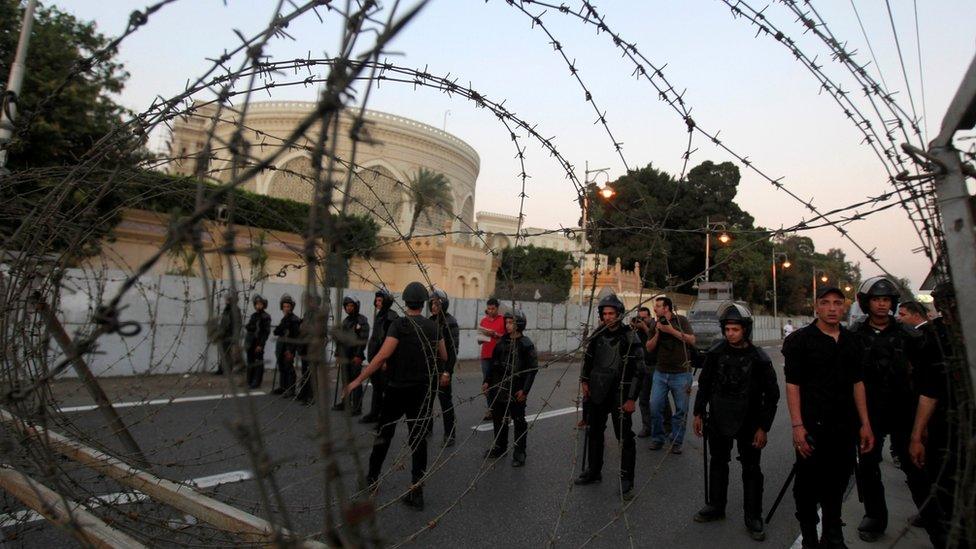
[441, 296]
[519, 317]
[285, 298]
[258, 299]
[611, 300]
[350, 299]
[387, 296]
[736, 314]
[877, 286]
[415, 295]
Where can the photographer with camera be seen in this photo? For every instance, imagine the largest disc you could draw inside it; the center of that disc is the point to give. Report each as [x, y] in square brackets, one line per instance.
[673, 340]
[643, 324]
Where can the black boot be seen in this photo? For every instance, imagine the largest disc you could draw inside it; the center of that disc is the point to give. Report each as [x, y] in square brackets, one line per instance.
[833, 537]
[588, 477]
[718, 490]
[871, 529]
[752, 494]
[710, 513]
[627, 489]
[518, 459]
[415, 498]
[339, 406]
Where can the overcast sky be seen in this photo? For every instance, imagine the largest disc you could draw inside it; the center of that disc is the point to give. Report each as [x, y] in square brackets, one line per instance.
[765, 103]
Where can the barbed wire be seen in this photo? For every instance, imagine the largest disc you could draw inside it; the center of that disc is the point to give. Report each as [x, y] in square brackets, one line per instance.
[340, 183]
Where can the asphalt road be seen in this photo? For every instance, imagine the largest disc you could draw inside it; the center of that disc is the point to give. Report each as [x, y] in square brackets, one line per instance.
[469, 500]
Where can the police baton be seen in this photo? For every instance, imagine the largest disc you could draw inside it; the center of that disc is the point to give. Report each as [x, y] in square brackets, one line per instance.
[782, 492]
[705, 453]
[858, 481]
[786, 485]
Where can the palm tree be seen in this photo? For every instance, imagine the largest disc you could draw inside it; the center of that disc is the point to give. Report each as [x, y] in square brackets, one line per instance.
[428, 190]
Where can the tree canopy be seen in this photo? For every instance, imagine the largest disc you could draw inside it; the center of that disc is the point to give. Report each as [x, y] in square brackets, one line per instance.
[525, 270]
[660, 222]
[63, 129]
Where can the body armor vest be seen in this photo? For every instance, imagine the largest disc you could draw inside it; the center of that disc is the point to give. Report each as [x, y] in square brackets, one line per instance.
[887, 370]
[732, 388]
[608, 366]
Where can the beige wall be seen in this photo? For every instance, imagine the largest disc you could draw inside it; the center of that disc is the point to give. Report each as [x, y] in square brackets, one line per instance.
[463, 270]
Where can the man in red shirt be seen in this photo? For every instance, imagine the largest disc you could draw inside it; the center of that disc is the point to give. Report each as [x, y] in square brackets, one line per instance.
[494, 324]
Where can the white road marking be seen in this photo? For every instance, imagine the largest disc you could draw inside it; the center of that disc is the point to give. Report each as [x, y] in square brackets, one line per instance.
[156, 402]
[122, 498]
[542, 415]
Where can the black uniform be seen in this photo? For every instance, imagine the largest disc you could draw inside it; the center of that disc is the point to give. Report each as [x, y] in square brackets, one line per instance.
[354, 325]
[825, 371]
[737, 388]
[893, 357]
[287, 346]
[450, 332]
[514, 363]
[411, 375]
[381, 324]
[612, 369]
[256, 333]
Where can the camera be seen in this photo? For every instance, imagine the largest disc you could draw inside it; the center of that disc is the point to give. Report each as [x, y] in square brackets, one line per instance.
[663, 321]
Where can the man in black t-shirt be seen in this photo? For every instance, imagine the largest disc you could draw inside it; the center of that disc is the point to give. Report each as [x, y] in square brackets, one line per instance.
[826, 398]
[409, 354]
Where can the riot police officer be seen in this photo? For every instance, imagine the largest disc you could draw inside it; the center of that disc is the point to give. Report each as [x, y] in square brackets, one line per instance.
[514, 363]
[287, 344]
[350, 353]
[383, 318]
[412, 350]
[256, 333]
[828, 411]
[448, 330]
[737, 393]
[610, 381]
[891, 352]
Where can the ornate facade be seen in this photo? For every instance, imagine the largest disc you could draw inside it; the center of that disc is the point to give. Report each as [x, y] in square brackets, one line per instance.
[392, 151]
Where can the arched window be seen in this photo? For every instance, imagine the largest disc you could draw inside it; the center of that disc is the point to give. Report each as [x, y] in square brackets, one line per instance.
[376, 193]
[293, 181]
[461, 287]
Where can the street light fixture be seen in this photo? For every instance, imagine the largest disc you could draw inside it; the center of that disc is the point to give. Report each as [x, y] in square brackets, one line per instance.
[724, 238]
[606, 192]
[786, 265]
[824, 278]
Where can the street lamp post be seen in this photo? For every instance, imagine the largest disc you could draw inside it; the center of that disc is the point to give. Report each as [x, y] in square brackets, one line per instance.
[823, 278]
[786, 265]
[723, 238]
[605, 192]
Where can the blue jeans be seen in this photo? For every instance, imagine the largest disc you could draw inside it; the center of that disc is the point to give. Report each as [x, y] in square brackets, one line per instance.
[678, 385]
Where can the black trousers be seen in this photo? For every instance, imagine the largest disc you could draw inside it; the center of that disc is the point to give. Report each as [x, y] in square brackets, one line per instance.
[503, 409]
[306, 385]
[597, 415]
[872, 486]
[286, 369]
[255, 366]
[378, 381]
[445, 396]
[413, 403]
[348, 371]
[720, 448]
[822, 478]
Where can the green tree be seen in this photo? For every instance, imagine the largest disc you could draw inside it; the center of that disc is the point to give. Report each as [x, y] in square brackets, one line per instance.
[659, 221]
[525, 270]
[429, 190]
[65, 128]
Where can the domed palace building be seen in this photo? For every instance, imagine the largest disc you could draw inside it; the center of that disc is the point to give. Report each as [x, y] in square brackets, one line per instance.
[393, 149]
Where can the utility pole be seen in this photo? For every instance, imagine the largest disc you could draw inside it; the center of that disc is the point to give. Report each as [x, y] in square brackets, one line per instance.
[956, 209]
[14, 84]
